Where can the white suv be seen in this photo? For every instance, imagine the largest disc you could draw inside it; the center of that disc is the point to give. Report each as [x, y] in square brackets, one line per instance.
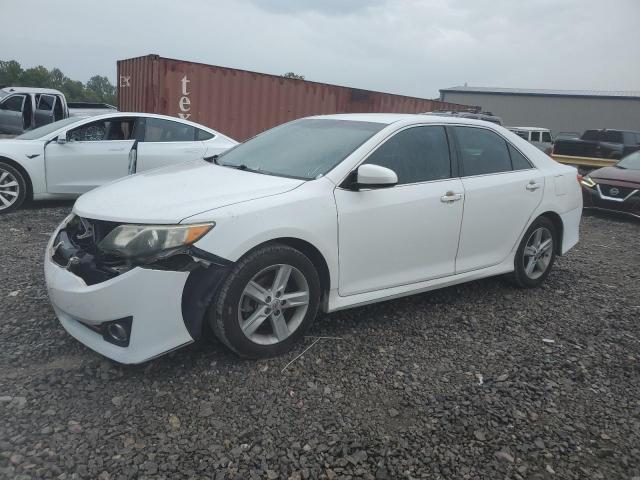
[322, 213]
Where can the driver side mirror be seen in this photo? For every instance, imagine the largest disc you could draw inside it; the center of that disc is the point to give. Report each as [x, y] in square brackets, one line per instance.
[374, 176]
[62, 138]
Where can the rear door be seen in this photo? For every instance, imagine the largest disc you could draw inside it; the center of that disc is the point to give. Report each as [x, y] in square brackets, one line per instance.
[45, 109]
[95, 153]
[167, 142]
[502, 190]
[11, 113]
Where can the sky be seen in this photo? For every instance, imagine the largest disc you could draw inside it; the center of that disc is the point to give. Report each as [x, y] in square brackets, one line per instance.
[410, 47]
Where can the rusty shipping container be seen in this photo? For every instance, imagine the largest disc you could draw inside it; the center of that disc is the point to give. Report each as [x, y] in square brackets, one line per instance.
[240, 103]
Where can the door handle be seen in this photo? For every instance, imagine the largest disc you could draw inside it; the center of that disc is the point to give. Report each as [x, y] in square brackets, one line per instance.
[532, 186]
[116, 149]
[450, 197]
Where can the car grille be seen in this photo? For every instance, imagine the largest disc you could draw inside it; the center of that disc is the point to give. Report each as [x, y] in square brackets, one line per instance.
[614, 191]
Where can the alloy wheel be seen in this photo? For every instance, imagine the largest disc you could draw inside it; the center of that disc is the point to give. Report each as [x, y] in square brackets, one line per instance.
[9, 189]
[538, 252]
[273, 304]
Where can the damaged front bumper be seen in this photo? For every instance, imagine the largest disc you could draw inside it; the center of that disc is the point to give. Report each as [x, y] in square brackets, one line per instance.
[129, 313]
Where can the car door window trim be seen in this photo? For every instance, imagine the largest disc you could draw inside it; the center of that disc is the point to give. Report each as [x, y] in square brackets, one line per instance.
[507, 143]
[453, 167]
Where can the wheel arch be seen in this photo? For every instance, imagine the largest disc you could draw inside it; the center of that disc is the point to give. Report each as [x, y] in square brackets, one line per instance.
[559, 226]
[23, 172]
[314, 255]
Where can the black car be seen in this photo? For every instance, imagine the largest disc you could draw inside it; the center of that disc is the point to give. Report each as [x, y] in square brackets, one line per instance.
[613, 144]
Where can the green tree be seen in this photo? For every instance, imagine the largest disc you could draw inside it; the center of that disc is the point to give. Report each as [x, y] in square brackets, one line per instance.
[10, 73]
[97, 89]
[36, 77]
[57, 78]
[74, 91]
[102, 90]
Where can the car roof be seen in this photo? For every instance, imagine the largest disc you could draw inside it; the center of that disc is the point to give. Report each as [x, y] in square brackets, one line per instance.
[529, 129]
[408, 118]
[31, 90]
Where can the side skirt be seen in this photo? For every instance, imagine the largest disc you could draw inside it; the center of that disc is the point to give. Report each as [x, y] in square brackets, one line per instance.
[336, 302]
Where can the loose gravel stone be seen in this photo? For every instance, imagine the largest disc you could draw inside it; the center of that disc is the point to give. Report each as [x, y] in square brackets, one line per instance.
[481, 380]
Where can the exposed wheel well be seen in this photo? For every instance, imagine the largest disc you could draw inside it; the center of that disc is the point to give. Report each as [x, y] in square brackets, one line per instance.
[557, 222]
[23, 172]
[316, 258]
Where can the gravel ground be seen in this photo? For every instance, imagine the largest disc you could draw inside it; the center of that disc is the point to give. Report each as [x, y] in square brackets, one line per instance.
[476, 381]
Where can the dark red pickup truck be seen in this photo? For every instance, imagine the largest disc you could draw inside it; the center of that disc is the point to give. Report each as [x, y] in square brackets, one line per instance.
[613, 144]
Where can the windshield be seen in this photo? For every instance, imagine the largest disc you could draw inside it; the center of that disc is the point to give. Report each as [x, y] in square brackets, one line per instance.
[3, 93]
[40, 132]
[632, 161]
[304, 149]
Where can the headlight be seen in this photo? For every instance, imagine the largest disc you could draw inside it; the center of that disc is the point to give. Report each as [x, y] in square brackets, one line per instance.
[587, 182]
[157, 241]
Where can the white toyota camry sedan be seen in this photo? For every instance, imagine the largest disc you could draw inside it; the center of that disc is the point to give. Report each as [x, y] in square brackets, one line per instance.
[67, 158]
[322, 213]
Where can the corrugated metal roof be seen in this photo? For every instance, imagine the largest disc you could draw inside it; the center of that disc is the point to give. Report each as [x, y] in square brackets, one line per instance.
[543, 92]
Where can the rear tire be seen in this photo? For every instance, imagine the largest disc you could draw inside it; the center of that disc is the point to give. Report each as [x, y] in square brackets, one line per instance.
[536, 254]
[267, 302]
[13, 188]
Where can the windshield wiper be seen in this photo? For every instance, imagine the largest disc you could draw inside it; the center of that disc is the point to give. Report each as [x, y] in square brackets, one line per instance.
[212, 159]
[242, 166]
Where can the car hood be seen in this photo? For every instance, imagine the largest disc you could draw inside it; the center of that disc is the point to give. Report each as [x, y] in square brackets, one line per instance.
[169, 195]
[618, 174]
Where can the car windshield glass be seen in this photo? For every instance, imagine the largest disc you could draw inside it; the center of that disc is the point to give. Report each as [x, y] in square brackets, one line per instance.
[632, 162]
[45, 130]
[3, 93]
[306, 149]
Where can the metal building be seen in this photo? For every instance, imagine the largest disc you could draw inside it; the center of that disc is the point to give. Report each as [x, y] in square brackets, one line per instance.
[557, 110]
[240, 103]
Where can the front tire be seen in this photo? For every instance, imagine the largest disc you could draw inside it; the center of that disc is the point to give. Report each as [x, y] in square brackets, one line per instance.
[536, 254]
[267, 302]
[13, 188]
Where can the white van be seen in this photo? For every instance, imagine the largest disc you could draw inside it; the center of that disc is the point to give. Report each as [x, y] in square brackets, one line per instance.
[540, 137]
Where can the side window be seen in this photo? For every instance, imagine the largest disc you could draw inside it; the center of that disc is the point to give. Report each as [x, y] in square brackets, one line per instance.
[482, 151]
[203, 135]
[160, 130]
[45, 102]
[518, 160]
[117, 129]
[522, 134]
[535, 136]
[417, 154]
[546, 137]
[13, 103]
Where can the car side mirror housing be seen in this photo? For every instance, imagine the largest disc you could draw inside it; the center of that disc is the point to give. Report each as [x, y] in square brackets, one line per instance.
[374, 176]
[62, 139]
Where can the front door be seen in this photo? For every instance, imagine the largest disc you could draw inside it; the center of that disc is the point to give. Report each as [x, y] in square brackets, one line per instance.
[95, 153]
[502, 190]
[11, 113]
[407, 233]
